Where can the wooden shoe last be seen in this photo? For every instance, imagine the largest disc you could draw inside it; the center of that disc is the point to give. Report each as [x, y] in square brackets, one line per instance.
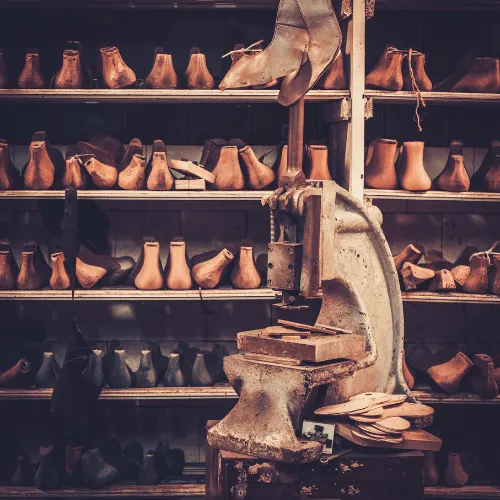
[387, 73]
[163, 75]
[177, 272]
[100, 165]
[75, 175]
[482, 377]
[8, 267]
[71, 74]
[148, 272]
[132, 168]
[420, 78]
[411, 170]
[91, 267]
[34, 272]
[159, 177]
[115, 73]
[244, 273]
[197, 74]
[380, 168]
[9, 175]
[59, 279]
[410, 254]
[31, 77]
[258, 174]
[477, 282]
[449, 375]
[317, 163]
[227, 171]
[209, 273]
[454, 176]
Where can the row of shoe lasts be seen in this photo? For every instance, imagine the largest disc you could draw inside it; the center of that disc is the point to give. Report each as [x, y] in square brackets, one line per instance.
[208, 269]
[472, 74]
[186, 366]
[98, 467]
[74, 73]
[472, 272]
[448, 371]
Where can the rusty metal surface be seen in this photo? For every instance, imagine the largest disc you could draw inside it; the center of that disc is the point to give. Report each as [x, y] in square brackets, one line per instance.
[284, 263]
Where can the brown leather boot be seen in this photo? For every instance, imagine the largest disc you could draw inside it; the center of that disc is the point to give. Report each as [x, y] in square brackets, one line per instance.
[211, 153]
[148, 272]
[4, 76]
[454, 176]
[45, 166]
[317, 163]
[163, 75]
[100, 165]
[8, 266]
[227, 171]
[258, 174]
[157, 172]
[177, 272]
[209, 269]
[71, 73]
[132, 167]
[244, 274]
[387, 73]
[420, 78]
[75, 175]
[477, 282]
[494, 274]
[91, 267]
[9, 175]
[380, 168]
[60, 279]
[334, 77]
[31, 76]
[34, 273]
[411, 170]
[115, 73]
[449, 375]
[431, 472]
[410, 253]
[197, 74]
[482, 377]
[487, 177]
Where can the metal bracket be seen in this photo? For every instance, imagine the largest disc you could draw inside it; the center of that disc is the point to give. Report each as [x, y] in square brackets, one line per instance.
[338, 111]
[368, 107]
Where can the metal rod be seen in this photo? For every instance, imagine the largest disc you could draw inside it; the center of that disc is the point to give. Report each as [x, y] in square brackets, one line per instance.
[295, 138]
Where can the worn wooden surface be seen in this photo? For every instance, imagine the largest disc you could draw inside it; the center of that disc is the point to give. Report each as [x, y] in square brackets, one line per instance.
[477, 492]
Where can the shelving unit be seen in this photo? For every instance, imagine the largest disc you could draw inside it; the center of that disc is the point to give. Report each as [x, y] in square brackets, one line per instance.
[400, 194]
[459, 398]
[453, 98]
[478, 492]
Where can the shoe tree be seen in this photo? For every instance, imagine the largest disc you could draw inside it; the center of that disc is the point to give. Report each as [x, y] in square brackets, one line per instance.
[160, 362]
[431, 472]
[460, 275]
[177, 271]
[203, 373]
[387, 73]
[413, 275]
[115, 73]
[443, 282]
[411, 171]
[197, 74]
[492, 176]
[97, 472]
[148, 473]
[132, 168]
[8, 267]
[159, 177]
[34, 272]
[454, 176]
[31, 76]
[146, 375]
[380, 165]
[149, 270]
[227, 171]
[47, 476]
[75, 175]
[482, 377]
[23, 475]
[70, 76]
[334, 77]
[40, 170]
[494, 274]
[122, 267]
[407, 374]
[209, 273]
[410, 254]
[480, 74]
[449, 375]
[422, 81]
[91, 267]
[244, 273]
[455, 475]
[116, 371]
[317, 163]
[4, 76]
[478, 179]
[19, 375]
[163, 75]
[477, 282]
[49, 371]
[60, 279]
[73, 474]
[258, 174]
[94, 372]
[100, 165]
[211, 153]
[9, 175]
[175, 375]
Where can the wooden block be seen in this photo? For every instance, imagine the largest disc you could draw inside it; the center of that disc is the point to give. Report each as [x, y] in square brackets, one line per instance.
[190, 185]
[190, 168]
[328, 330]
[280, 331]
[315, 349]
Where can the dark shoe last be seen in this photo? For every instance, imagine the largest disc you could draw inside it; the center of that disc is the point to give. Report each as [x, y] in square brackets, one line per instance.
[19, 375]
[160, 362]
[204, 370]
[47, 477]
[112, 453]
[119, 276]
[97, 472]
[175, 375]
[135, 452]
[146, 375]
[175, 461]
[48, 373]
[94, 372]
[73, 472]
[148, 473]
[161, 458]
[239, 143]
[118, 377]
[211, 153]
[24, 474]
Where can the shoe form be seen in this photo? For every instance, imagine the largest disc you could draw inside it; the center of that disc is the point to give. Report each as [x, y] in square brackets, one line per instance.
[116, 370]
[19, 375]
[132, 167]
[8, 266]
[31, 76]
[160, 362]
[159, 177]
[454, 176]
[434, 259]
[148, 273]
[227, 171]
[431, 472]
[71, 73]
[73, 472]
[460, 275]
[387, 73]
[197, 75]
[380, 165]
[481, 378]
[97, 472]
[163, 75]
[477, 282]
[494, 274]
[211, 153]
[487, 177]
[115, 73]
[24, 474]
[244, 273]
[9, 175]
[208, 366]
[46, 164]
[75, 175]
[113, 454]
[422, 81]
[317, 163]
[146, 375]
[91, 267]
[4, 77]
[411, 253]
[49, 372]
[334, 77]
[122, 267]
[413, 276]
[209, 268]
[59, 279]
[99, 164]
[442, 282]
[258, 174]
[177, 271]
[457, 475]
[411, 171]
[492, 176]
[180, 366]
[34, 272]
[94, 372]
[134, 451]
[148, 473]
[47, 476]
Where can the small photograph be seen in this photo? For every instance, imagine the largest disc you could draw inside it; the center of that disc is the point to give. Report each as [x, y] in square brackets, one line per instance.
[319, 431]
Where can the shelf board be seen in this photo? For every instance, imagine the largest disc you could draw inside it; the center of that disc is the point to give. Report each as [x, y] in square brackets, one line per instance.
[450, 298]
[401, 194]
[168, 490]
[408, 97]
[460, 398]
[133, 294]
[479, 491]
[133, 394]
[98, 194]
[452, 5]
[174, 96]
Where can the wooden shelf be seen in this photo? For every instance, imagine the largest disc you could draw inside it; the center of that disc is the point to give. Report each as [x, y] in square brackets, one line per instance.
[140, 394]
[401, 194]
[459, 398]
[110, 195]
[452, 5]
[170, 490]
[175, 96]
[407, 97]
[470, 491]
[133, 294]
[450, 298]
